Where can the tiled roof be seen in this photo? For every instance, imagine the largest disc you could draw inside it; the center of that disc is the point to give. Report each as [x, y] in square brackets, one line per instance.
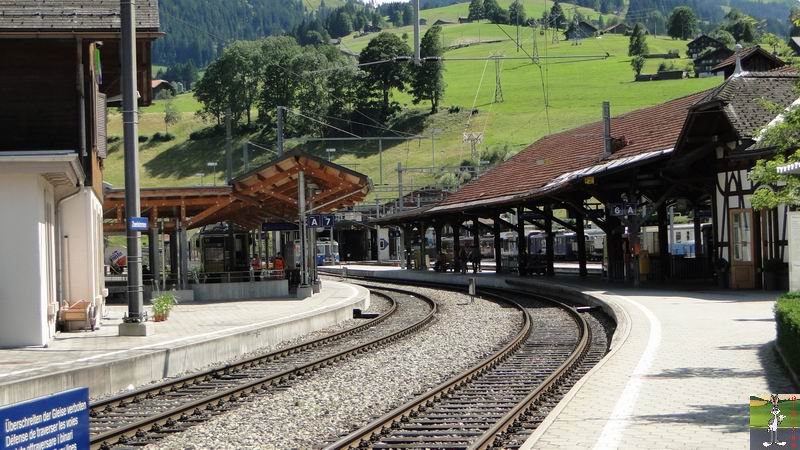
[648, 130]
[60, 15]
[746, 54]
[747, 99]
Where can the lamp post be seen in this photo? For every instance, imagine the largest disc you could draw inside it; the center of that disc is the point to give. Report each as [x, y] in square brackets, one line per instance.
[213, 168]
[330, 152]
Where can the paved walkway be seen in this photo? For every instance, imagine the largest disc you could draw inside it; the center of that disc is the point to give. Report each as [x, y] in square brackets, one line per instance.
[684, 363]
[190, 324]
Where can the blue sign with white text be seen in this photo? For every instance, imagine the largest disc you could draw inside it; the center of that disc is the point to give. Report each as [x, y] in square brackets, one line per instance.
[59, 421]
[137, 224]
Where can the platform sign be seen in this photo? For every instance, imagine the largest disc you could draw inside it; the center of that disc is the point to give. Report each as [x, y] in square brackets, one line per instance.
[59, 421]
[623, 209]
[279, 226]
[321, 220]
[137, 224]
[383, 244]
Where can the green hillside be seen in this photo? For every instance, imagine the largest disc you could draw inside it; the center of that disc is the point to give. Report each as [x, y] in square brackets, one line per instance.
[575, 88]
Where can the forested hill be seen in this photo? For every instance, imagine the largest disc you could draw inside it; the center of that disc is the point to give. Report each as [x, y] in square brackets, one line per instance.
[198, 29]
[773, 13]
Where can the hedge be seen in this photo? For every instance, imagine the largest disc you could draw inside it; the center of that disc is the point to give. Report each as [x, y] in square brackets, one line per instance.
[787, 318]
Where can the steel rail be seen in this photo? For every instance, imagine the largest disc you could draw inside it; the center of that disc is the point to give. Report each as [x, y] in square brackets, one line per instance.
[211, 403]
[363, 435]
[487, 439]
[188, 380]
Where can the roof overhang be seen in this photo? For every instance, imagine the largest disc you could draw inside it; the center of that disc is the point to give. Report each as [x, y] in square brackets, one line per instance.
[268, 193]
[72, 34]
[557, 184]
[790, 169]
[60, 167]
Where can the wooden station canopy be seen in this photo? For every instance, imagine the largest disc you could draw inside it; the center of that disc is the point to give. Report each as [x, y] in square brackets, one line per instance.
[266, 194]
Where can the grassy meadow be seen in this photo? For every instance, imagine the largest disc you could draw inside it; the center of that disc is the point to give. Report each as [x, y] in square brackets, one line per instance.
[576, 87]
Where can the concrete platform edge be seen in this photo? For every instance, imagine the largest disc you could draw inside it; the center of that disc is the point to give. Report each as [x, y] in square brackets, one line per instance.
[107, 378]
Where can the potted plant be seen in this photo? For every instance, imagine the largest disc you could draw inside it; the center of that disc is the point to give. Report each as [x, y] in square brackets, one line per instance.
[162, 305]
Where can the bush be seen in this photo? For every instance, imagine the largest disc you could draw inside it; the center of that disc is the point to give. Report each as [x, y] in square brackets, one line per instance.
[666, 66]
[113, 138]
[143, 139]
[454, 109]
[163, 137]
[787, 318]
[207, 133]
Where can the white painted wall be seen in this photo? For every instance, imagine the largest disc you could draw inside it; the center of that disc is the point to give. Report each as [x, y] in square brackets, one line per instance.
[24, 287]
[81, 241]
[794, 250]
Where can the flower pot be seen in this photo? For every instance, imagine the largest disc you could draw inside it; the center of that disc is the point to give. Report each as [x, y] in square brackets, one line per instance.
[160, 317]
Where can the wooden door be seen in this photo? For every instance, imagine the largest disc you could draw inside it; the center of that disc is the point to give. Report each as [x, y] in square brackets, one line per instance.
[743, 270]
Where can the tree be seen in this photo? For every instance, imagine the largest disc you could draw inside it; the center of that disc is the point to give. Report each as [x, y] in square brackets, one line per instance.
[493, 11]
[171, 115]
[682, 23]
[387, 75]
[516, 13]
[637, 64]
[340, 24]
[777, 188]
[428, 82]
[743, 27]
[557, 18]
[638, 41]
[476, 10]
[794, 21]
[277, 81]
[725, 37]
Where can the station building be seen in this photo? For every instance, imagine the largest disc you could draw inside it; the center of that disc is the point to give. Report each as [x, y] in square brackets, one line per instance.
[61, 68]
[692, 153]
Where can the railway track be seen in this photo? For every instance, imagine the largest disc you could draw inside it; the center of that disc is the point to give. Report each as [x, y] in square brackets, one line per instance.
[146, 415]
[498, 402]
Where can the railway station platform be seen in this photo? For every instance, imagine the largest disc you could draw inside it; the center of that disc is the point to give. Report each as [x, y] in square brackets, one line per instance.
[197, 335]
[682, 365]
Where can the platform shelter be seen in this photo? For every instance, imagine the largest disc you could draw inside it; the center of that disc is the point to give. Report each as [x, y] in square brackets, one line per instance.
[269, 194]
[622, 175]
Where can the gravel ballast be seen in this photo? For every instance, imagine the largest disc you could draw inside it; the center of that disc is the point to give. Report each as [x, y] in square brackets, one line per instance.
[331, 402]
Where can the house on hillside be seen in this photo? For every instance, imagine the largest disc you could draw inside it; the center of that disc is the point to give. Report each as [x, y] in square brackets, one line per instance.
[443, 22]
[372, 29]
[620, 28]
[464, 20]
[700, 43]
[163, 88]
[705, 62]
[753, 59]
[61, 65]
[581, 30]
[794, 44]
[720, 141]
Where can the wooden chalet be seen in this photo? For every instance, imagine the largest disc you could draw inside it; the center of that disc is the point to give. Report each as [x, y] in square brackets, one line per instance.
[753, 59]
[581, 30]
[794, 44]
[718, 146]
[620, 28]
[61, 68]
[705, 63]
[697, 45]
